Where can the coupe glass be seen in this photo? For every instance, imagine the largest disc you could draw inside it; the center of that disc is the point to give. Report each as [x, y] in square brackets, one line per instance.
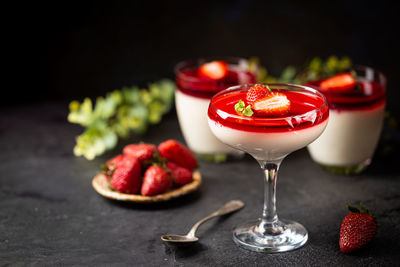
[355, 124]
[269, 141]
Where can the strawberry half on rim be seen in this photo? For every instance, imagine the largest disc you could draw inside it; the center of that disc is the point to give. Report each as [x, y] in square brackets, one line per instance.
[339, 83]
[256, 92]
[273, 104]
[214, 70]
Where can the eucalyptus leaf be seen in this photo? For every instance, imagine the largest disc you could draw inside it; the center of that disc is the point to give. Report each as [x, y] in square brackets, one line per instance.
[119, 114]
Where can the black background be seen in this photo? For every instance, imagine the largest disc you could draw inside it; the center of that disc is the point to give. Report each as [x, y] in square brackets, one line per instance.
[63, 50]
[68, 50]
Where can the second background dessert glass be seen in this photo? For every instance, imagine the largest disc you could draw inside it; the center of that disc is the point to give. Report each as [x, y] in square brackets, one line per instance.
[192, 98]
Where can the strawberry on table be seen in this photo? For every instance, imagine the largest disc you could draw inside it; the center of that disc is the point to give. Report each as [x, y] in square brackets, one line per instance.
[114, 162]
[358, 229]
[256, 92]
[273, 104]
[175, 152]
[143, 152]
[339, 83]
[180, 175]
[155, 181]
[214, 70]
[126, 177]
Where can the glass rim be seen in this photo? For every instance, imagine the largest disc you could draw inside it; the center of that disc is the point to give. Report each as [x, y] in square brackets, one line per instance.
[198, 61]
[358, 68]
[272, 86]
[366, 68]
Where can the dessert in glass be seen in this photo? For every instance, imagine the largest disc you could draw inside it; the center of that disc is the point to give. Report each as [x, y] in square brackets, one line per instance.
[357, 103]
[268, 121]
[197, 81]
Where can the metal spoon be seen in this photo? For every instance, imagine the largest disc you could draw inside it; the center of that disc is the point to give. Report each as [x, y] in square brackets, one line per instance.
[229, 207]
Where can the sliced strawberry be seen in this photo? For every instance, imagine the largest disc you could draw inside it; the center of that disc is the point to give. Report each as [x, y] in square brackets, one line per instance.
[155, 181]
[274, 104]
[340, 82]
[126, 176]
[214, 70]
[143, 152]
[180, 175]
[256, 92]
[176, 152]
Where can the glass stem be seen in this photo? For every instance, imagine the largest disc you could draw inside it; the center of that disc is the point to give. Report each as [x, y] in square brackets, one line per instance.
[269, 223]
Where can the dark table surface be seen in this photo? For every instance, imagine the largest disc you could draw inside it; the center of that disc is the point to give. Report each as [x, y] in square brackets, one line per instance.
[50, 214]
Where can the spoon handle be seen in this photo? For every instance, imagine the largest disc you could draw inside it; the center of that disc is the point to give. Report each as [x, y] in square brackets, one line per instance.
[229, 207]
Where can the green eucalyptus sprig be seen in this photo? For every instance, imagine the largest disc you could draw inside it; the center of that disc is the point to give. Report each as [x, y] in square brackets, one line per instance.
[318, 69]
[117, 115]
[315, 69]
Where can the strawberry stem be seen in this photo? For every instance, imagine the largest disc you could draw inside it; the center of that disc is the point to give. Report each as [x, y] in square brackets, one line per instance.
[362, 209]
[352, 208]
[104, 168]
[269, 89]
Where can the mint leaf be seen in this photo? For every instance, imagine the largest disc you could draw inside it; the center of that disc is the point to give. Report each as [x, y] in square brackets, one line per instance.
[242, 109]
[239, 106]
[248, 111]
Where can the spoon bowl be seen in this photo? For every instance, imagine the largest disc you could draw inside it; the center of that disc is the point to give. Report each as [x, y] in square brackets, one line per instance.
[179, 238]
[190, 237]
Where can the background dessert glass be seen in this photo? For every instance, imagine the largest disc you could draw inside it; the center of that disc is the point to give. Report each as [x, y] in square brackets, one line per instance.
[356, 119]
[269, 141]
[192, 98]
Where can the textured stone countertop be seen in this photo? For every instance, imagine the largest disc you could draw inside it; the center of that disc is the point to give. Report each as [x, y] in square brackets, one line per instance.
[50, 214]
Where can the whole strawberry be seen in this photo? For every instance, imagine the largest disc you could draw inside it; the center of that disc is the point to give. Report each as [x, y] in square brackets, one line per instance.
[111, 165]
[115, 161]
[358, 229]
[180, 175]
[143, 152]
[176, 152]
[155, 181]
[256, 92]
[126, 176]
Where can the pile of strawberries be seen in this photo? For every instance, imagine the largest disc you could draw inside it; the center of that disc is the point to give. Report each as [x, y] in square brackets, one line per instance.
[150, 170]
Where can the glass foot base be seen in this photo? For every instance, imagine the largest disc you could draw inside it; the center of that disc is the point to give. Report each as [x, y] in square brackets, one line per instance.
[347, 170]
[288, 236]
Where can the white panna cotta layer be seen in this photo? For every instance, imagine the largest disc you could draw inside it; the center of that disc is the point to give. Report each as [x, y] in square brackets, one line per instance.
[192, 116]
[350, 137]
[266, 145]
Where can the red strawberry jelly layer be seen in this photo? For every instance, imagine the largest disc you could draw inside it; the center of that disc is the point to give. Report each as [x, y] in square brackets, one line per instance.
[368, 96]
[190, 83]
[223, 111]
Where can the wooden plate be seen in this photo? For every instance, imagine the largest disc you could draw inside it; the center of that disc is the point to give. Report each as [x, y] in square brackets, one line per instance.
[100, 184]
